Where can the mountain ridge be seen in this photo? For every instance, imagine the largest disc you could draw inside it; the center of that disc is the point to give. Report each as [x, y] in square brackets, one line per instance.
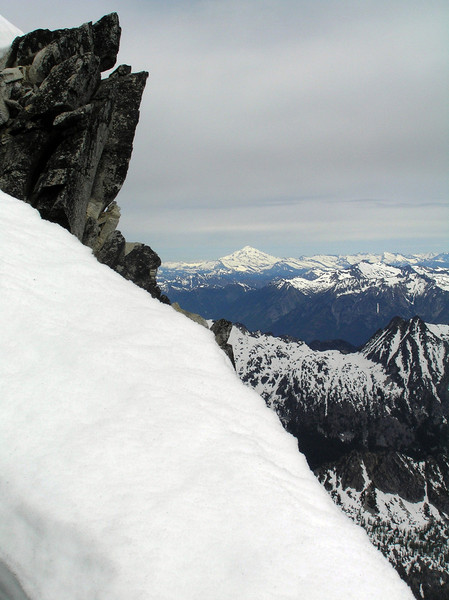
[347, 303]
[323, 261]
[373, 425]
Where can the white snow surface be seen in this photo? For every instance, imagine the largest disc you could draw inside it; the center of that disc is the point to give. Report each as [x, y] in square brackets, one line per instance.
[134, 463]
[441, 331]
[8, 32]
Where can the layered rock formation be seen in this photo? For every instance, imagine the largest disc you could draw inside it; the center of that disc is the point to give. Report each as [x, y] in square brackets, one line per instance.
[66, 137]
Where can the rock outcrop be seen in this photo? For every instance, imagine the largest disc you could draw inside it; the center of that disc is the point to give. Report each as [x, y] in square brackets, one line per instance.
[66, 136]
[222, 330]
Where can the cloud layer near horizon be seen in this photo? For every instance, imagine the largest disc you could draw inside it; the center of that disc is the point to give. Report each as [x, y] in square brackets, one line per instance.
[296, 127]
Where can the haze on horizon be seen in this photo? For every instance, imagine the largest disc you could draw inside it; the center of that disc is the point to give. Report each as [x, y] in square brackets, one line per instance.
[296, 127]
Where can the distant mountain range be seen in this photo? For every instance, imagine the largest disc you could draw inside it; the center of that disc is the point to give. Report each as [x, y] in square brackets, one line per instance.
[374, 427]
[253, 266]
[313, 298]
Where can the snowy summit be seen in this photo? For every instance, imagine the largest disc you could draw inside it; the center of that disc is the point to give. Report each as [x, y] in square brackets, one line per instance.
[249, 259]
[135, 464]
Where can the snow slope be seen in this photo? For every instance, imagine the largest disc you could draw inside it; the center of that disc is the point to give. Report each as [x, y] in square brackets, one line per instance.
[8, 32]
[134, 463]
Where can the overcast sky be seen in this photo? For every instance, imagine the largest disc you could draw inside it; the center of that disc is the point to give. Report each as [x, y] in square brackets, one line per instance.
[295, 126]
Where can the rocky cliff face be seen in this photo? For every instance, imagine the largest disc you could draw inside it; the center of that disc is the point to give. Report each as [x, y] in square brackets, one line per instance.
[373, 425]
[66, 137]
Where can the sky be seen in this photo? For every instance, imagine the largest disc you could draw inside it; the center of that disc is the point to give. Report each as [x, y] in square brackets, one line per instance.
[297, 127]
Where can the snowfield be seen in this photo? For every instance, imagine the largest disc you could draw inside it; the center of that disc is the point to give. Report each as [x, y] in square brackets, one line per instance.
[134, 463]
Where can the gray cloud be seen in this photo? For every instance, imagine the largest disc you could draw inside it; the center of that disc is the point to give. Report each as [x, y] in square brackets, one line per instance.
[263, 119]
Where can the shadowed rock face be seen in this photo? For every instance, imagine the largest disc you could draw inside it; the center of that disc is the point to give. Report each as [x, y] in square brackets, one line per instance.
[222, 330]
[66, 135]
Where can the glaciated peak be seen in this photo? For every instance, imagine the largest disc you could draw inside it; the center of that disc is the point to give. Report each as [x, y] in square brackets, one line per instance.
[249, 259]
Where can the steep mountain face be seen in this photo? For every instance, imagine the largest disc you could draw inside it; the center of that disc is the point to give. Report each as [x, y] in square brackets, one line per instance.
[66, 136]
[391, 394]
[327, 304]
[374, 427]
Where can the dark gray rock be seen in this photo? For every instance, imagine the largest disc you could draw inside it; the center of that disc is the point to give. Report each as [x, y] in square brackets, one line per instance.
[113, 250]
[106, 33]
[222, 330]
[66, 136]
[139, 264]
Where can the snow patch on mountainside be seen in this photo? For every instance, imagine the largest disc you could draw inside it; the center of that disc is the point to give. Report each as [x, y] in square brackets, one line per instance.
[134, 462]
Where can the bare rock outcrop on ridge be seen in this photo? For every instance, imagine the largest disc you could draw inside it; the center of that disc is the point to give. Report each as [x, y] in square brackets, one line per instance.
[66, 136]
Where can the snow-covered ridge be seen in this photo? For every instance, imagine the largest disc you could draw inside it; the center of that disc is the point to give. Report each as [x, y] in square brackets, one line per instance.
[266, 362]
[135, 462]
[364, 275]
[308, 274]
[407, 360]
[440, 331]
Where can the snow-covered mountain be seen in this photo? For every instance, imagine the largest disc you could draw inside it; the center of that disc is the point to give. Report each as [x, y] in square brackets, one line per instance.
[135, 463]
[247, 266]
[374, 426]
[393, 393]
[348, 303]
